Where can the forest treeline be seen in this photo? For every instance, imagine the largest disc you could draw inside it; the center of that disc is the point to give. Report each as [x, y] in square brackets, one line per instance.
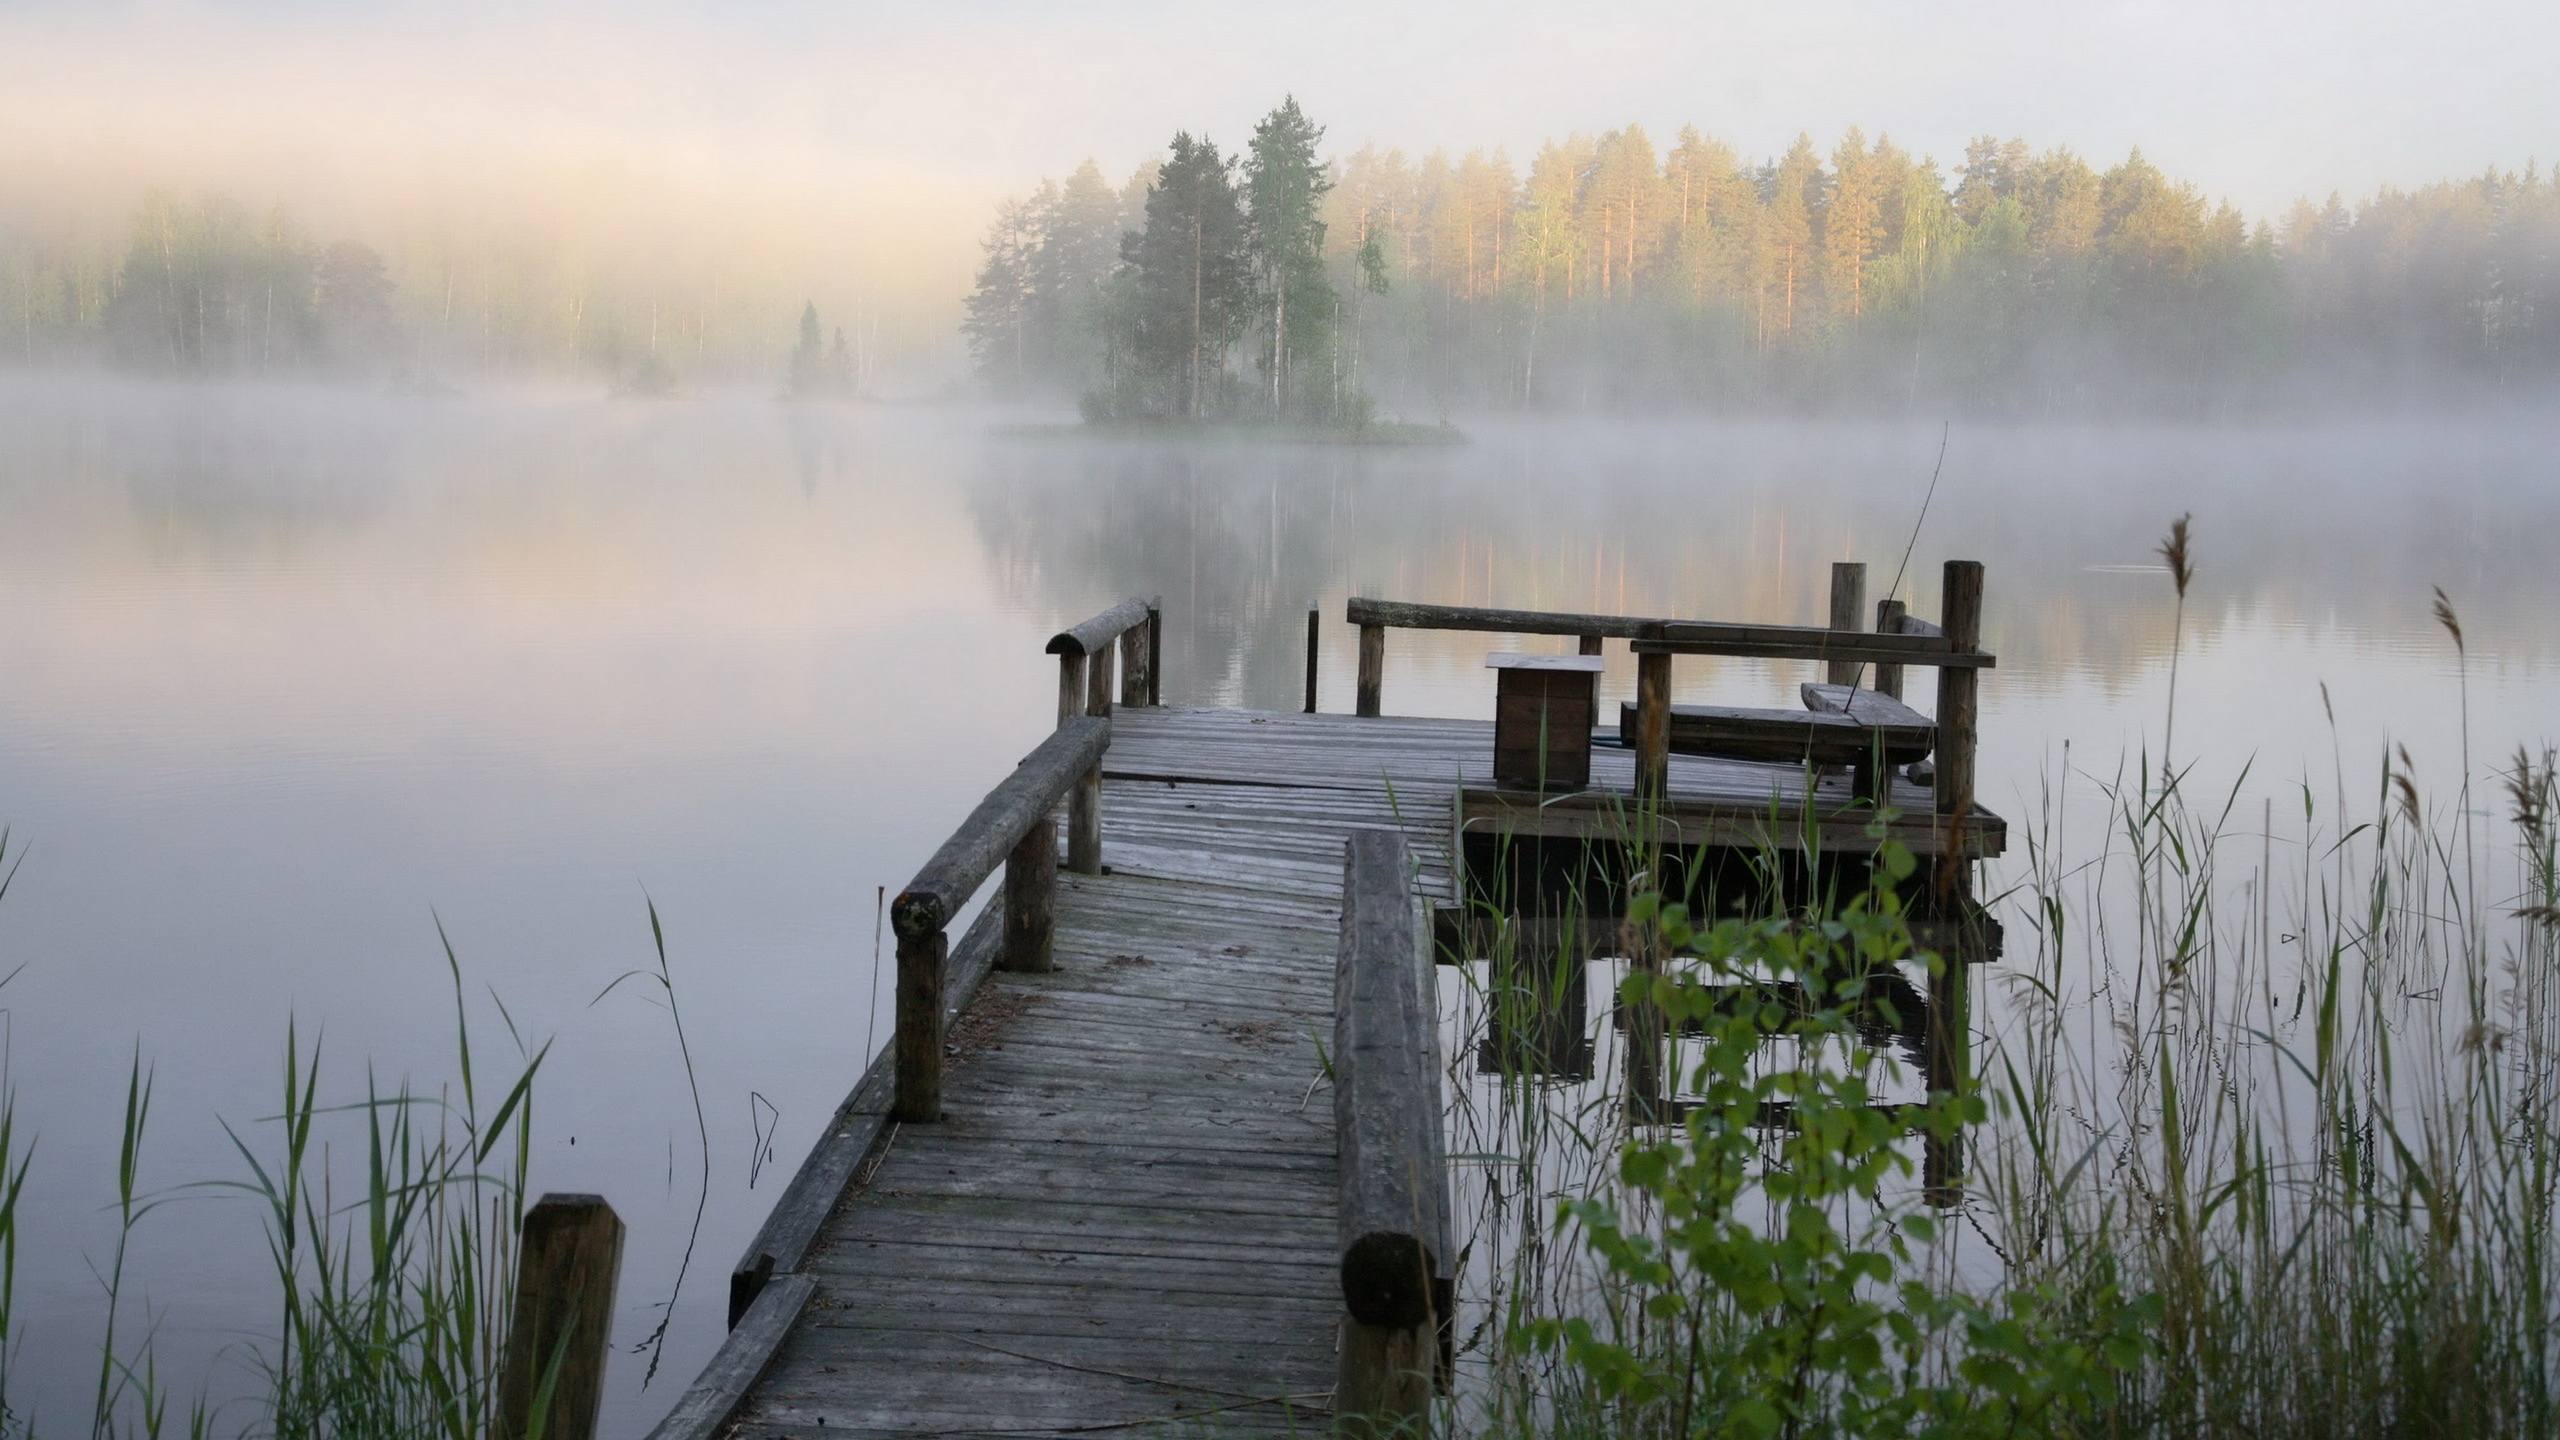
[1614, 274]
[208, 285]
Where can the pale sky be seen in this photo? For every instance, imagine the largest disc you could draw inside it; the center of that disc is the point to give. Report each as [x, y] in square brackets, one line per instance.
[2255, 101]
[928, 111]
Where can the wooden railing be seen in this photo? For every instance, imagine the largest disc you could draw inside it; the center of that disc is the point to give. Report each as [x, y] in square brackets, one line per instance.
[1953, 651]
[1134, 629]
[1398, 1264]
[1013, 827]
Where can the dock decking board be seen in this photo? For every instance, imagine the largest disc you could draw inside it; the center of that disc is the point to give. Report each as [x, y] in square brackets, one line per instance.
[1124, 1221]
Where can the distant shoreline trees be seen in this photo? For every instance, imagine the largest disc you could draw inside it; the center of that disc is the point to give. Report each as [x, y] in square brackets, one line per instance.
[202, 285]
[1613, 275]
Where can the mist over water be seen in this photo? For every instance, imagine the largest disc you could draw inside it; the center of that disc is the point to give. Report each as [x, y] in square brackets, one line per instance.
[295, 672]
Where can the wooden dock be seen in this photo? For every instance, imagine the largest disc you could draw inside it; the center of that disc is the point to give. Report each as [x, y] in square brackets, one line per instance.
[1115, 1173]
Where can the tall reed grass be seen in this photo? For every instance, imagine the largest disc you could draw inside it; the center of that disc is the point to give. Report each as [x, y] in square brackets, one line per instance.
[2261, 1138]
[393, 1294]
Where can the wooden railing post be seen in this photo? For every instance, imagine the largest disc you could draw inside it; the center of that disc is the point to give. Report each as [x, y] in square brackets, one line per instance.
[1070, 686]
[1950, 1023]
[1590, 645]
[1084, 803]
[1848, 612]
[1084, 823]
[1155, 652]
[1373, 667]
[924, 957]
[568, 1257]
[1312, 640]
[1653, 726]
[1031, 898]
[1133, 665]
[1889, 615]
[1097, 700]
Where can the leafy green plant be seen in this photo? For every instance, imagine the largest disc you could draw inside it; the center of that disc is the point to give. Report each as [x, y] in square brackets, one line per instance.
[1763, 1286]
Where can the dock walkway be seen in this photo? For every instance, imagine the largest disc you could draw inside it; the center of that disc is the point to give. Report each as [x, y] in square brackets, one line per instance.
[1096, 1187]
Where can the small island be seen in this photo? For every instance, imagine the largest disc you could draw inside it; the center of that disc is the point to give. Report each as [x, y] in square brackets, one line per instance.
[1193, 302]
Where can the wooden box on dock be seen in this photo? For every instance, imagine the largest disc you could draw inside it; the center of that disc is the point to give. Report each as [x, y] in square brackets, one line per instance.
[1542, 714]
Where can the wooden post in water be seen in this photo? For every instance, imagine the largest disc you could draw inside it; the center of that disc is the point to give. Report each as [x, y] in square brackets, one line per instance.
[1653, 727]
[1313, 636]
[1373, 667]
[1070, 686]
[1848, 612]
[1031, 898]
[569, 1254]
[924, 955]
[1950, 1020]
[1889, 615]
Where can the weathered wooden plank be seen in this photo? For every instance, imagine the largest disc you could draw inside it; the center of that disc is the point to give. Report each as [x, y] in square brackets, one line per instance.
[819, 1182]
[1816, 737]
[1383, 1096]
[713, 1399]
[1811, 642]
[1835, 823]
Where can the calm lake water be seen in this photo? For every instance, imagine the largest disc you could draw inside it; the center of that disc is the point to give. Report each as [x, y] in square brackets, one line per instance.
[288, 675]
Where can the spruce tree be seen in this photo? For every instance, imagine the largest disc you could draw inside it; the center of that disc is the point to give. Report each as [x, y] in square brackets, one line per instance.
[998, 322]
[1285, 186]
[1190, 277]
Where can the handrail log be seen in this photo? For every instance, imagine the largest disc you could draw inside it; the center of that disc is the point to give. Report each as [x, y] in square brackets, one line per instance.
[1019, 801]
[1393, 1204]
[1812, 642]
[1409, 615]
[993, 831]
[1090, 636]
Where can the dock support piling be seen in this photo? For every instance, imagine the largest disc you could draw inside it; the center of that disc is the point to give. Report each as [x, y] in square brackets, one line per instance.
[568, 1258]
[1373, 666]
[1950, 1025]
